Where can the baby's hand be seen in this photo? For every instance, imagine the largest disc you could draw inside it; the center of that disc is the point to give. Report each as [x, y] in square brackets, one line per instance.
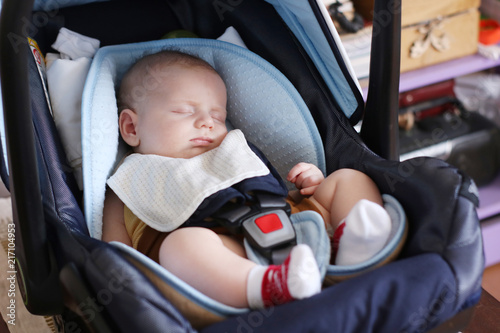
[306, 177]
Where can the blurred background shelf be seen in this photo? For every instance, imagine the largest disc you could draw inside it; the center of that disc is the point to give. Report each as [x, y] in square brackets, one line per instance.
[440, 72]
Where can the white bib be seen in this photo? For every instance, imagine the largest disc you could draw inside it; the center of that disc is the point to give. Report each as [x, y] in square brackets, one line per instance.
[164, 192]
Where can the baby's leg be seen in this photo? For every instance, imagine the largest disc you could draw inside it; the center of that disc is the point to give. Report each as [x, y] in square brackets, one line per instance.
[362, 226]
[211, 264]
[341, 190]
[216, 266]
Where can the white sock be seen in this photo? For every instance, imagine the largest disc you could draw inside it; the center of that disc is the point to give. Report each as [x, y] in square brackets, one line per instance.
[254, 287]
[304, 279]
[297, 278]
[366, 230]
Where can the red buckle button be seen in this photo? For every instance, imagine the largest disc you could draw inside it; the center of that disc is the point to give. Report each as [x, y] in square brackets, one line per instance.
[269, 223]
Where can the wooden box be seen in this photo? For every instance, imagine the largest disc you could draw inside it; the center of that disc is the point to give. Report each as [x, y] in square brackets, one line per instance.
[433, 31]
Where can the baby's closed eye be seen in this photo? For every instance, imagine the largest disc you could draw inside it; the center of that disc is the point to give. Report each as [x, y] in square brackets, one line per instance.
[182, 110]
[218, 115]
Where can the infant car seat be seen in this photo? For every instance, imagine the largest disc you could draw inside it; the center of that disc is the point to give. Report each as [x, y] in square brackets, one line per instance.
[254, 87]
[437, 274]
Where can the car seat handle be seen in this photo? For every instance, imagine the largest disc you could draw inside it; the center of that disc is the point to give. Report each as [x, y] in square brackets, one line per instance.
[380, 120]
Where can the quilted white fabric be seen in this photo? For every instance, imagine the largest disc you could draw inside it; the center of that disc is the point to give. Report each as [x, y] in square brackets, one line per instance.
[164, 192]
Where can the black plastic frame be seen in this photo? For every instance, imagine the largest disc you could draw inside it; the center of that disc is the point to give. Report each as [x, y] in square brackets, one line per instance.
[36, 267]
[380, 122]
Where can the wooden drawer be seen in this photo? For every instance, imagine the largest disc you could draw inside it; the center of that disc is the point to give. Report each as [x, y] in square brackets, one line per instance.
[440, 39]
[433, 31]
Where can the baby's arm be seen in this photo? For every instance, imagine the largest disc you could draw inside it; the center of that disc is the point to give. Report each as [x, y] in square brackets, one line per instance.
[306, 177]
[113, 228]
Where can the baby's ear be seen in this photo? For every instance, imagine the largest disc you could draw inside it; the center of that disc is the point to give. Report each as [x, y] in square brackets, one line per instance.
[127, 123]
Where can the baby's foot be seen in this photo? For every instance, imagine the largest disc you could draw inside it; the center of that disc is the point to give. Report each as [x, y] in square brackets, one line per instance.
[297, 278]
[362, 234]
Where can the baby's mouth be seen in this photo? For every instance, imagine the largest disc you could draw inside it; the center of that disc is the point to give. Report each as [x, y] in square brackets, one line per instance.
[202, 141]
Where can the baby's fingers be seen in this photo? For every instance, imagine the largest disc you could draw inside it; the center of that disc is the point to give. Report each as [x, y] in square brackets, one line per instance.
[308, 179]
[296, 171]
[307, 191]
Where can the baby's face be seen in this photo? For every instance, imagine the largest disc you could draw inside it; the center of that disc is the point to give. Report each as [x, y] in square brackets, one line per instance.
[185, 116]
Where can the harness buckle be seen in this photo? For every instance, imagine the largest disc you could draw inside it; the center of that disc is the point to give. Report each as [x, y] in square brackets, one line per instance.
[266, 225]
[269, 233]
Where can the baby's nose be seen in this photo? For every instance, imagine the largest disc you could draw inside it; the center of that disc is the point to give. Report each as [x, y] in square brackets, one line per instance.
[205, 120]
